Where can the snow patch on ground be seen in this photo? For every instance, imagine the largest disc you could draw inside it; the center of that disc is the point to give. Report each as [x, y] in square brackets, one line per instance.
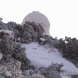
[66, 77]
[9, 32]
[45, 56]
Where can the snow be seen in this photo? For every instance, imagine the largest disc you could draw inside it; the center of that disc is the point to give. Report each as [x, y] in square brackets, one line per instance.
[9, 32]
[43, 56]
[42, 39]
[66, 77]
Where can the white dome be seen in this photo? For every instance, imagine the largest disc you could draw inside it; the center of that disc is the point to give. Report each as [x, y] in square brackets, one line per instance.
[38, 18]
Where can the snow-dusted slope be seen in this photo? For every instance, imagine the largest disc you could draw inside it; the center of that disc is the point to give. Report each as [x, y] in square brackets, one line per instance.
[44, 56]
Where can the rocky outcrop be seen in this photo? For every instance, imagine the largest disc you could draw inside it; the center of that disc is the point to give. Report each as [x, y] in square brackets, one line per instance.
[11, 69]
[11, 49]
[13, 60]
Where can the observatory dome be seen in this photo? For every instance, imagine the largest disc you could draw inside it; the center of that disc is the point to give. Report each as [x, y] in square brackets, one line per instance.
[38, 18]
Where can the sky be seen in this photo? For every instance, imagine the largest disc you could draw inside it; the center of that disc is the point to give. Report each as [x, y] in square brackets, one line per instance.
[62, 14]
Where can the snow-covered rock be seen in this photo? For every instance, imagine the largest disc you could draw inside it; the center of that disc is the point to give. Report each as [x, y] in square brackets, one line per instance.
[38, 18]
[9, 32]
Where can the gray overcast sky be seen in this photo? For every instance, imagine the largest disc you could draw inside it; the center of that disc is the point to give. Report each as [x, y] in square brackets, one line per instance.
[62, 14]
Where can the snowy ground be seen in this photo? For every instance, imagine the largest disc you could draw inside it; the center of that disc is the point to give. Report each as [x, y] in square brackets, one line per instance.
[9, 32]
[44, 56]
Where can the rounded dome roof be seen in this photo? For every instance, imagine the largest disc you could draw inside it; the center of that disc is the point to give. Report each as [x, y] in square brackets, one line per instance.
[39, 18]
